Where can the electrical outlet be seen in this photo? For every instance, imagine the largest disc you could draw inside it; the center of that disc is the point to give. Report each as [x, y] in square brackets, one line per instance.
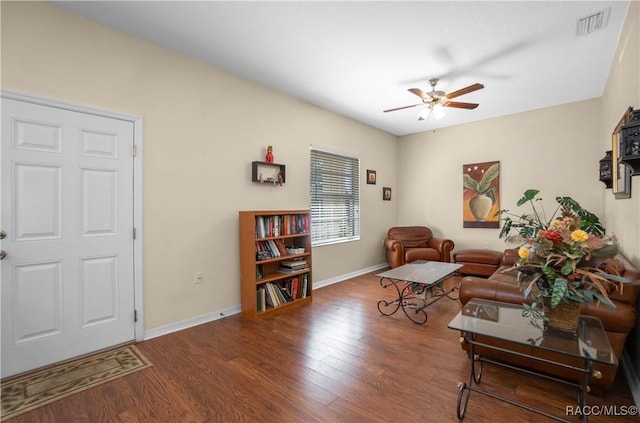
[197, 278]
[485, 245]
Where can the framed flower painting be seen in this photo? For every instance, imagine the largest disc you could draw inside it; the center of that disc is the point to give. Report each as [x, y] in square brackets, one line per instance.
[481, 195]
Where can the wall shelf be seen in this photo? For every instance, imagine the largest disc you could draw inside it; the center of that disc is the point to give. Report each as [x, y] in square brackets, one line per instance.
[268, 173]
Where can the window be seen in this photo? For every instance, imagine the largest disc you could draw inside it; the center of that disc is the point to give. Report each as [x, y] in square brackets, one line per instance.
[335, 197]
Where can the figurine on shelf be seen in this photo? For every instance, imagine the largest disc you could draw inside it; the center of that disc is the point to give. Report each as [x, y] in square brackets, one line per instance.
[269, 157]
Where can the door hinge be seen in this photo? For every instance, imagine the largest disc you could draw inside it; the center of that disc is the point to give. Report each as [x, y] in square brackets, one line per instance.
[135, 315]
[134, 233]
[135, 150]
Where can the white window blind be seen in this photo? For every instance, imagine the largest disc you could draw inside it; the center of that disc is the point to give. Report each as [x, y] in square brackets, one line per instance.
[335, 197]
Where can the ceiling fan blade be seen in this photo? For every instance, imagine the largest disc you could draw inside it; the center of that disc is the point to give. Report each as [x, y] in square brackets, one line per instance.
[400, 108]
[419, 93]
[461, 105]
[466, 90]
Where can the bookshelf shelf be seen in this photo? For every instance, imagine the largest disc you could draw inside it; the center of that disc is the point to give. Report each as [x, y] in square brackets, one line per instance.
[265, 237]
[287, 257]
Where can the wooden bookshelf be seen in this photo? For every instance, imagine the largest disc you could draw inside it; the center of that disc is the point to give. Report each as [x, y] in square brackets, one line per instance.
[274, 232]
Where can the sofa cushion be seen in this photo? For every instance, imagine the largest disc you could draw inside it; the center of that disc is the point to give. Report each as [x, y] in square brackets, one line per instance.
[477, 262]
[477, 256]
[428, 254]
[411, 236]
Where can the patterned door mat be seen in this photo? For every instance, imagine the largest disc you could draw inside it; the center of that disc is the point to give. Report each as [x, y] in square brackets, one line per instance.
[34, 390]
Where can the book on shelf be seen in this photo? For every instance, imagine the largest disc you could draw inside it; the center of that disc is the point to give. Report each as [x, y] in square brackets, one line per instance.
[260, 229]
[275, 248]
[261, 299]
[285, 294]
[294, 263]
[276, 293]
[281, 247]
[294, 287]
[268, 297]
[263, 255]
[305, 279]
[279, 294]
[289, 224]
[291, 270]
[295, 268]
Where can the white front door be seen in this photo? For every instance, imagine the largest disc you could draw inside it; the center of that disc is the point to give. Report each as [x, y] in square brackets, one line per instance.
[67, 212]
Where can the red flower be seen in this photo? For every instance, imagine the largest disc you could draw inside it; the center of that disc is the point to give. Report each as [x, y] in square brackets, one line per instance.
[552, 236]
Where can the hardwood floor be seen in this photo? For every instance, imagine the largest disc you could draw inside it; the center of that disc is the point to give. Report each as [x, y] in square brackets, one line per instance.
[334, 360]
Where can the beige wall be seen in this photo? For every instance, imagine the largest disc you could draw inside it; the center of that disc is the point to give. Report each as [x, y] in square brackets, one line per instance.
[555, 150]
[202, 129]
[622, 91]
[623, 216]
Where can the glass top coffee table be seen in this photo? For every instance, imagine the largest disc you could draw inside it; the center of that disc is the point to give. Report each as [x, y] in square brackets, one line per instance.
[418, 285]
[481, 320]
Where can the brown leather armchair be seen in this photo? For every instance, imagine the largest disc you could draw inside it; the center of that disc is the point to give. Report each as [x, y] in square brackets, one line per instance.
[405, 244]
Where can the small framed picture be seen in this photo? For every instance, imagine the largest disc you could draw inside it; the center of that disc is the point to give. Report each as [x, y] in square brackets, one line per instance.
[386, 193]
[371, 176]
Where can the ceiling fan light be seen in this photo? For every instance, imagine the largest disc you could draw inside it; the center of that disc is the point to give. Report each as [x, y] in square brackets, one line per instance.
[438, 111]
[424, 113]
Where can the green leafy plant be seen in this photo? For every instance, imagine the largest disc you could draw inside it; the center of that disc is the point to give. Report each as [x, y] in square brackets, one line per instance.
[483, 186]
[528, 225]
[565, 258]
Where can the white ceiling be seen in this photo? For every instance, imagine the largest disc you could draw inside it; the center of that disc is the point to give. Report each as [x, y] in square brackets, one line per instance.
[358, 58]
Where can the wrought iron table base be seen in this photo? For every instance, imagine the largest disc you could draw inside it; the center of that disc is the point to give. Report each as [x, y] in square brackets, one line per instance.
[413, 306]
[475, 376]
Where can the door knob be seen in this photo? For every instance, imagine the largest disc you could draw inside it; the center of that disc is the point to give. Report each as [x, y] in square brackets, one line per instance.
[3, 234]
[2, 254]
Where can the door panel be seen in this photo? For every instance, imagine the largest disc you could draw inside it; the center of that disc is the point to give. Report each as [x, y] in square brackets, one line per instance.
[37, 136]
[37, 200]
[67, 208]
[98, 202]
[37, 300]
[99, 290]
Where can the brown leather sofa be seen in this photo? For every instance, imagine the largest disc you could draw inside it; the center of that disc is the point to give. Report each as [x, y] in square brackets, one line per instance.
[405, 244]
[617, 322]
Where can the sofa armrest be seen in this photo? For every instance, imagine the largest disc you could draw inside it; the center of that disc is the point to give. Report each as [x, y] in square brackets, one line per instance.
[510, 257]
[444, 246]
[488, 289]
[395, 252]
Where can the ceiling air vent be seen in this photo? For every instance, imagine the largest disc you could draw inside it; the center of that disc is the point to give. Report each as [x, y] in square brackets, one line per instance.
[593, 23]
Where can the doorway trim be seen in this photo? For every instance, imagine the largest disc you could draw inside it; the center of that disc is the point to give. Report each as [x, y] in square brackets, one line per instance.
[138, 241]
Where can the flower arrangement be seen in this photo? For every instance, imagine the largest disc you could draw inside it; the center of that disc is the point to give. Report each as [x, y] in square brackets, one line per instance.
[567, 258]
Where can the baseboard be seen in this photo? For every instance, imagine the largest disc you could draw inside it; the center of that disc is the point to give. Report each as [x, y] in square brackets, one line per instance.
[206, 318]
[340, 278]
[633, 379]
[186, 324]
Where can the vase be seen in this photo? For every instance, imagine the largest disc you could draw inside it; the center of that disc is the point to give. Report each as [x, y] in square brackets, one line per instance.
[565, 316]
[480, 206]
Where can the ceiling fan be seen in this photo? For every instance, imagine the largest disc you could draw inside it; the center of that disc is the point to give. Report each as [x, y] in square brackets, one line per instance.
[434, 100]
